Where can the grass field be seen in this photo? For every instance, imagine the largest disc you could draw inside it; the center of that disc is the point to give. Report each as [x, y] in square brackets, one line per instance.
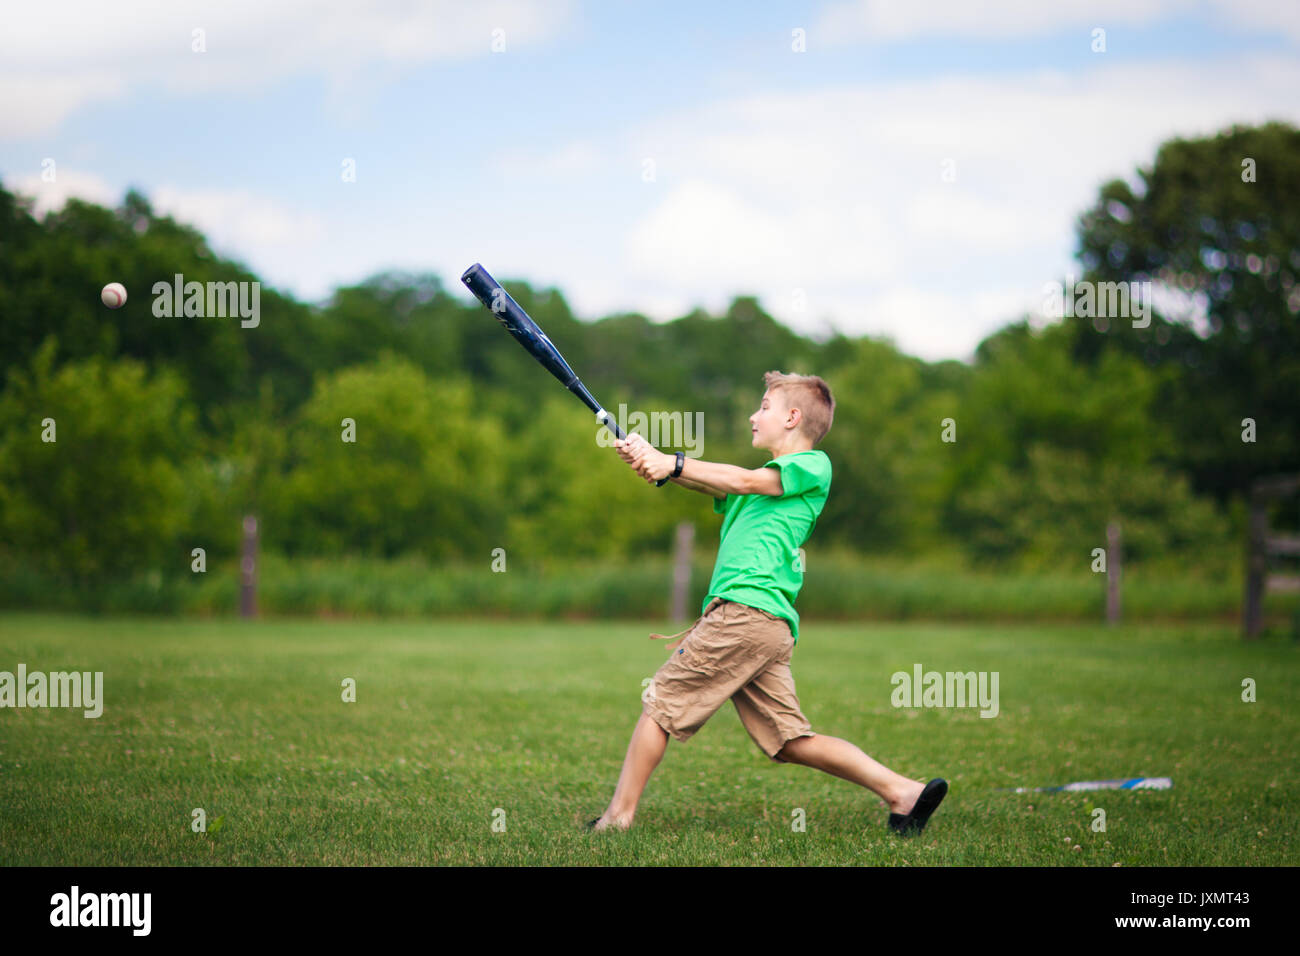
[454, 719]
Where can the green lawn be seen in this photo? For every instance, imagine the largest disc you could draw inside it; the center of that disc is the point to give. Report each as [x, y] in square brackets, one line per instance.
[454, 719]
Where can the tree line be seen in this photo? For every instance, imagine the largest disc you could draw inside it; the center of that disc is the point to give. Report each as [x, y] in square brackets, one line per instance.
[129, 437]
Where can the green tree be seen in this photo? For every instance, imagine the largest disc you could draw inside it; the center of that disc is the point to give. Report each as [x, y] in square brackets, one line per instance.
[885, 452]
[1217, 220]
[113, 493]
[1049, 449]
[424, 473]
[1054, 511]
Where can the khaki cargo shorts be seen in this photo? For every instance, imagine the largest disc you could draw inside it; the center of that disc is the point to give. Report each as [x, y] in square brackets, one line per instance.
[733, 651]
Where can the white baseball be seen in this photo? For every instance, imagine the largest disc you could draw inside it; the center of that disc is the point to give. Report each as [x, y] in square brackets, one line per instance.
[113, 295]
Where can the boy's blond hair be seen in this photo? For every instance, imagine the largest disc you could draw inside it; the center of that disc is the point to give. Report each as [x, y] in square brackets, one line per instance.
[811, 395]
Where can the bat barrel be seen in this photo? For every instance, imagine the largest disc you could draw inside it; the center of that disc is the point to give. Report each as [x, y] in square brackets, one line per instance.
[528, 334]
[517, 322]
[477, 279]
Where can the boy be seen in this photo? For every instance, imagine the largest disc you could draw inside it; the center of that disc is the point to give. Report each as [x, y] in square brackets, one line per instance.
[740, 647]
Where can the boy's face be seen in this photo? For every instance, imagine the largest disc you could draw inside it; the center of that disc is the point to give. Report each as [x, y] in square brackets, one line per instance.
[768, 423]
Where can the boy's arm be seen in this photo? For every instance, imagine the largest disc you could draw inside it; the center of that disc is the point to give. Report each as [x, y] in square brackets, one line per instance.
[723, 479]
[698, 486]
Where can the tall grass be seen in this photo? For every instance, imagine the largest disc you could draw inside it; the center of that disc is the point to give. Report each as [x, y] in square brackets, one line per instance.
[839, 586]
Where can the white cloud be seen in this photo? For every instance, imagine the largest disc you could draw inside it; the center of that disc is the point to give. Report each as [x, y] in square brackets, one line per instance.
[1265, 16]
[68, 183]
[99, 51]
[883, 21]
[238, 219]
[839, 193]
[936, 325]
[945, 214]
[33, 102]
[705, 232]
[602, 296]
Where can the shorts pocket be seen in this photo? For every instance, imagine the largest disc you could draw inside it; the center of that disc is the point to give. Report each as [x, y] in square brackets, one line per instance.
[696, 659]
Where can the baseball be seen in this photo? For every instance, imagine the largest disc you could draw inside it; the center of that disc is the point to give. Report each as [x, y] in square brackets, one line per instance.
[113, 295]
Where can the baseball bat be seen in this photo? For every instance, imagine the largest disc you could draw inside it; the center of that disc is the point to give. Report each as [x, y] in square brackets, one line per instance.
[530, 335]
[1131, 783]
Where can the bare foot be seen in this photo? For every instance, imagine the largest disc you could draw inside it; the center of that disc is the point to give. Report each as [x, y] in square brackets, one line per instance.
[906, 798]
[606, 822]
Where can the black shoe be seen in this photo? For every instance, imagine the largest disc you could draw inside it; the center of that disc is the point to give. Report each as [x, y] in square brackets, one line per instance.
[909, 824]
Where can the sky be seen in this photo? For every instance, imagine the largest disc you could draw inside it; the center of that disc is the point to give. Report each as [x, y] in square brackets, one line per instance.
[905, 170]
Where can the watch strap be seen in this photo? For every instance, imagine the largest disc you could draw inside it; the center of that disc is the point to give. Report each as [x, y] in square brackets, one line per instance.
[681, 460]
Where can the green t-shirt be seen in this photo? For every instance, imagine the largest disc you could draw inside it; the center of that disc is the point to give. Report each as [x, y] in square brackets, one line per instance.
[758, 562]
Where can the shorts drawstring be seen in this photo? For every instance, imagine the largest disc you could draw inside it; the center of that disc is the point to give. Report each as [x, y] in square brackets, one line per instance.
[674, 638]
[680, 636]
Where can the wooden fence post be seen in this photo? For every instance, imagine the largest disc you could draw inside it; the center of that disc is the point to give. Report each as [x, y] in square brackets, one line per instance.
[248, 570]
[1261, 545]
[1113, 567]
[685, 540]
[1256, 567]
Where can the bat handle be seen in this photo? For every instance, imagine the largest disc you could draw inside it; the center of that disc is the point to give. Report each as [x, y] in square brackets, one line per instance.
[612, 425]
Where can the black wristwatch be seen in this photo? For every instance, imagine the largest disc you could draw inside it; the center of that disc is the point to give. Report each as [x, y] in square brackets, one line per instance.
[677, 472]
